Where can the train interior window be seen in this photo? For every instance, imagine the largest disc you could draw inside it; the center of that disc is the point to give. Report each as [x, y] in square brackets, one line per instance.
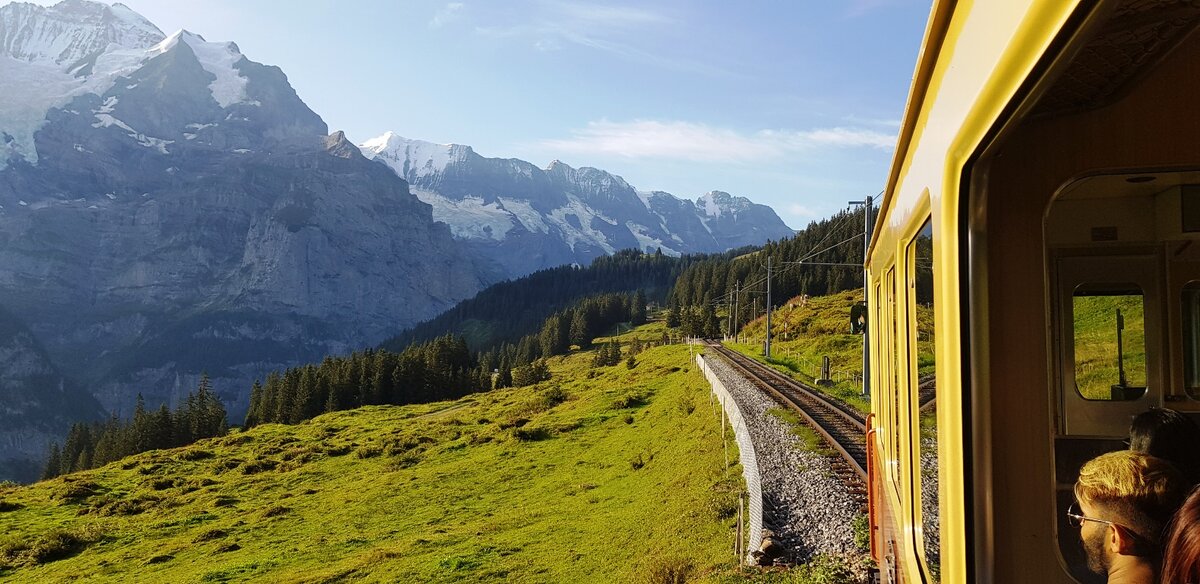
[1109, 328]
[1121, 254]
[1191, 339]
[923, 368]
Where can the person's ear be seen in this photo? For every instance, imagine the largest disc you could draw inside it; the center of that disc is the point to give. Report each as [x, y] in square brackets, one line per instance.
[1122, 541]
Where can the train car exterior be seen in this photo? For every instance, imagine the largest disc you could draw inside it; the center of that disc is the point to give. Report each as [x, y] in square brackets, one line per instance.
[1035, 268]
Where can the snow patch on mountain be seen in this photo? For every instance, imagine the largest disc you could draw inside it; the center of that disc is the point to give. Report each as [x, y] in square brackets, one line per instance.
[647, 243]
[69, 33]
[219, 59]
[584, 233]
[50, 56]
[709, 203]
[31, 89]
[469, 218]
[406, 156]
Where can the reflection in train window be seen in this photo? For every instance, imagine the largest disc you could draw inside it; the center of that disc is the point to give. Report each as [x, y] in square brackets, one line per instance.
[920, 257]
[892, 371]
[1110, 342]
[1191, 339]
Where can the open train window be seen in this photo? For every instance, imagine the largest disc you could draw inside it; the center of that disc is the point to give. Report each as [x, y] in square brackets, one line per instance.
[1109, 325]
[1191, 339]
[924, 371]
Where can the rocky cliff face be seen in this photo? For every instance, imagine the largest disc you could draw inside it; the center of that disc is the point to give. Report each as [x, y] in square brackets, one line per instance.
[528, 218]
[37, 403]
[190, 213]
[169, 207]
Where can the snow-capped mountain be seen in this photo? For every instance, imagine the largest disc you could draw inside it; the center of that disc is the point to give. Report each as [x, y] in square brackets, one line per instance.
[564, 214]
[168, 206]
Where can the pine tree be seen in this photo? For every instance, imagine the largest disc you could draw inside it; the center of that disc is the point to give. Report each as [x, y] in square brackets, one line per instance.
[673, 317]
[638, 316]
[53, 463]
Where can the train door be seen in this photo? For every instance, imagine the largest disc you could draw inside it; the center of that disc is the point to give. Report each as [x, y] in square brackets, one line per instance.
[1109, 330]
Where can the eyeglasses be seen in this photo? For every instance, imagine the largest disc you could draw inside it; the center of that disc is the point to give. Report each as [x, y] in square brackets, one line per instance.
[1076, 519]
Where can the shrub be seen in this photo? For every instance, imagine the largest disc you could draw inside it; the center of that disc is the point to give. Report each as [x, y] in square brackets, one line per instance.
[828, 569]
[629, 399]
[161, 484]
[77, 492]
[404, 461]
[53, 545]
[275, 511]
[6, 506]
[686, 404]
[530, 434]
[637, 462]
[862, 532]
[194, 454]
[211, 535]
[368, 452]
[259, 465]
[669, 570]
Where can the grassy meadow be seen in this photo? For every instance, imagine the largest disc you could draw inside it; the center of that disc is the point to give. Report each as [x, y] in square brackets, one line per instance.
[1095, 329]
[805, 331]
[606, 474]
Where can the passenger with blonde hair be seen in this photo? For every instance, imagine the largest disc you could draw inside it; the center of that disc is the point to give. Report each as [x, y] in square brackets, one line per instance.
[1124, 500]
[1181, 564]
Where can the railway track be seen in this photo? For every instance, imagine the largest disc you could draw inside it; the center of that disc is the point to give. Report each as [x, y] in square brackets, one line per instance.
[840, 426]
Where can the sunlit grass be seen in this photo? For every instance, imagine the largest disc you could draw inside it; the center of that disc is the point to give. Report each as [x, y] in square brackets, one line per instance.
[565, 481]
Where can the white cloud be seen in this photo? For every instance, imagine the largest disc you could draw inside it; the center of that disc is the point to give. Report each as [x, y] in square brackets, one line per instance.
[617, 30]
[803, 211]
[702, 143]
[447, 14]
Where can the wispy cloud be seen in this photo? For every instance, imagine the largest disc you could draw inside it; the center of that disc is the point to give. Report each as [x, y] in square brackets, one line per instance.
[694, 142]
[617, 30]
[803, 211]
[448, 13]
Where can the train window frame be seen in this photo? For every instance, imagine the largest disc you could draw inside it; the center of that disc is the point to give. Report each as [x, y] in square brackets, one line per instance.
[1128, 392]
[1189, 330]
[883, 416]
[891, 374]
[930, 570]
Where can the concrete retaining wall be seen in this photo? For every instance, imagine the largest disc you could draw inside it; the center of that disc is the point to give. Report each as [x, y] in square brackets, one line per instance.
[745, 452]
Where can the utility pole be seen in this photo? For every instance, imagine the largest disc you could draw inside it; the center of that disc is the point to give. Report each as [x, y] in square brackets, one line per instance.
[737, 294]
[767, 349]
[867, 225]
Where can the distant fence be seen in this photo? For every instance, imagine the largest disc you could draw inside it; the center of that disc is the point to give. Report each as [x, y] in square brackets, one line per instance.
[745, 452]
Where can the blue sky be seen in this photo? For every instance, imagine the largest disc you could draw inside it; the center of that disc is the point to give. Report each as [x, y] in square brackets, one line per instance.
[793, 104]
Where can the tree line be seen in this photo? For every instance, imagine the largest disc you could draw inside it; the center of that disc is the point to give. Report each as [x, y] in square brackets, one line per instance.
[201, 415]
[441, 369]
[824, 258]
[507, 311]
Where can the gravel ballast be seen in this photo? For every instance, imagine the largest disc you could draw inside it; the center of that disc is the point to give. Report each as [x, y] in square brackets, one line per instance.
[805, 503]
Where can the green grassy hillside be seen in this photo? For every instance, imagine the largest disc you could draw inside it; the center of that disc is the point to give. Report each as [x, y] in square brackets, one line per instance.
[601, 475]
[804, 332]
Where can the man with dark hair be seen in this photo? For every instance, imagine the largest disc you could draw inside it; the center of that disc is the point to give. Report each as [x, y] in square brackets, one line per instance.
[1169, 435]
[1124, 500]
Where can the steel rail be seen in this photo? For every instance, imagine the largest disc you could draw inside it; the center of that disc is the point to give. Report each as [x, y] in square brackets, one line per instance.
[762, 376]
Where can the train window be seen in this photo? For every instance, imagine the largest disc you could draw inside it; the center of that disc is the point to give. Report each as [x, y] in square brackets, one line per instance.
[1191, 339]
[1110, 342]
[923, 366]
[892, 372]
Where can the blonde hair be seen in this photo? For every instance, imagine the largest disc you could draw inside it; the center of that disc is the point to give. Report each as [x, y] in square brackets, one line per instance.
[1140, 491]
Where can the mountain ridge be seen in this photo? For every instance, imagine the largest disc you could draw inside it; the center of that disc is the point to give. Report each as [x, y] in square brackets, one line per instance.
[573, 214]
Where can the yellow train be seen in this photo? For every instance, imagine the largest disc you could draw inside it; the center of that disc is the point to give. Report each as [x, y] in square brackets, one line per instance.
[1035, 266]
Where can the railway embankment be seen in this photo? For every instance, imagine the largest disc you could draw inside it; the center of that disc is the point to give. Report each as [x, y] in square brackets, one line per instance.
[804, 502]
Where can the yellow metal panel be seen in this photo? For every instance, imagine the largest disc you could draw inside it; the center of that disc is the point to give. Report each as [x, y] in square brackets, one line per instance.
[986, 52]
